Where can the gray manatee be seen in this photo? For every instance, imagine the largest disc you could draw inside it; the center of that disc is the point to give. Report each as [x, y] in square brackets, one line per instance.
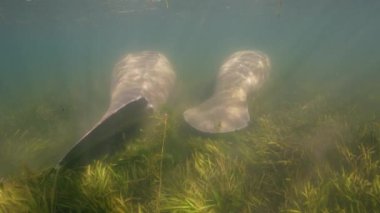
[141, 83]
[227, 110]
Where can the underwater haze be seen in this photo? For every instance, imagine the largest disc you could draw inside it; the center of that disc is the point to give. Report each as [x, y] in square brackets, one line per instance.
[322, 94]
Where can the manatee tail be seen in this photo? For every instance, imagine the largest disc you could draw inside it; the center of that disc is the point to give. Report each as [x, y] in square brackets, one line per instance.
[125, 117]
[218, 115]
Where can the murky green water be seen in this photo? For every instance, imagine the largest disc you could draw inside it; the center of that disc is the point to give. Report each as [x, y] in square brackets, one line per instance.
[57, 57]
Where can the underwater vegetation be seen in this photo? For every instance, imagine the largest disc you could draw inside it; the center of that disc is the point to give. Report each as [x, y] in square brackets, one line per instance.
[309, 155]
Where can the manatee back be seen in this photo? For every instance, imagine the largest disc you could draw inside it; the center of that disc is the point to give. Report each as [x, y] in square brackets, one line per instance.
[244, 69]
[147, 75]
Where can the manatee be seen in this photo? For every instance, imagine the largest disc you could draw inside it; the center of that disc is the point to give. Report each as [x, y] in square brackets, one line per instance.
[226, 110]
[141, 83]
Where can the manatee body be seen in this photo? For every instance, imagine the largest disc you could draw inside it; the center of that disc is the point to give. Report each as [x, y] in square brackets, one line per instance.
[141, 83]
[227, 110]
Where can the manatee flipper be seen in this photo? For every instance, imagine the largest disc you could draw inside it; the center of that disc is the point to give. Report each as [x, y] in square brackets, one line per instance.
[227, 109]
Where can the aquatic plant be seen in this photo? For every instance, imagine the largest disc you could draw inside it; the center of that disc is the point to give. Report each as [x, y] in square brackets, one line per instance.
[298, 156]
